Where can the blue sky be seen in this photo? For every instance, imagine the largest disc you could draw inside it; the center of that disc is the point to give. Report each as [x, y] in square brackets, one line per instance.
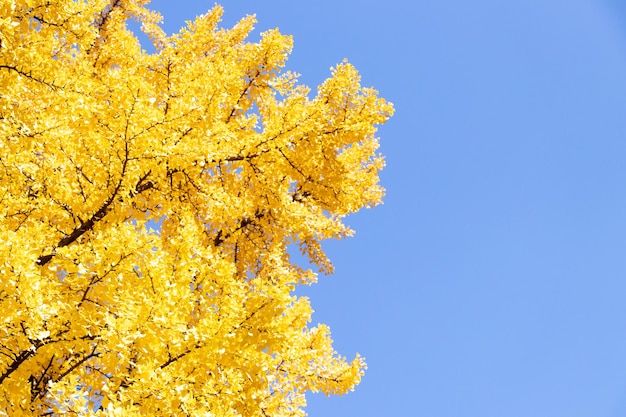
[492, 281]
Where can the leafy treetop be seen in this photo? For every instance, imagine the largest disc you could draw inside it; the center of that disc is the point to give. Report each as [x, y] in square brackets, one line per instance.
[229, 155]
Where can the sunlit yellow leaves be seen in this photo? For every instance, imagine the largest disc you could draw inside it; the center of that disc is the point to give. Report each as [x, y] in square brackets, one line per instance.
[148, 207]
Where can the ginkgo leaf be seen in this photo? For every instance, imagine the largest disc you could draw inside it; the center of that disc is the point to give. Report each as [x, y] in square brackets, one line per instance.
[148, 206]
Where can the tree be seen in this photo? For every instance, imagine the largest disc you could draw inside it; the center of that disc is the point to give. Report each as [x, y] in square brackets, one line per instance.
[148, 202]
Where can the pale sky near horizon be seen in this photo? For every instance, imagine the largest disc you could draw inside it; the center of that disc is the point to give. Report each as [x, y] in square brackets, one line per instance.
[492, 281]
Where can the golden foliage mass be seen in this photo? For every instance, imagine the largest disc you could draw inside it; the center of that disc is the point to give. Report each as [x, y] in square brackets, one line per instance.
[209, 143]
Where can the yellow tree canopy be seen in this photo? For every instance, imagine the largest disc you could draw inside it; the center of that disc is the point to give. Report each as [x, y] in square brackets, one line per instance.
[147, 204]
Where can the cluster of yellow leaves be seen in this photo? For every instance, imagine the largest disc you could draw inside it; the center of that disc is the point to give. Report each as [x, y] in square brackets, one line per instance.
[205, 140]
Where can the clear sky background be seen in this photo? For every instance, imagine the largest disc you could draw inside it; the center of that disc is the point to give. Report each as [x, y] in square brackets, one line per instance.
[492, 282]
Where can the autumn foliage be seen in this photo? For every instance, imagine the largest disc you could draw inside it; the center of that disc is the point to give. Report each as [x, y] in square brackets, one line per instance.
[148, 204]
